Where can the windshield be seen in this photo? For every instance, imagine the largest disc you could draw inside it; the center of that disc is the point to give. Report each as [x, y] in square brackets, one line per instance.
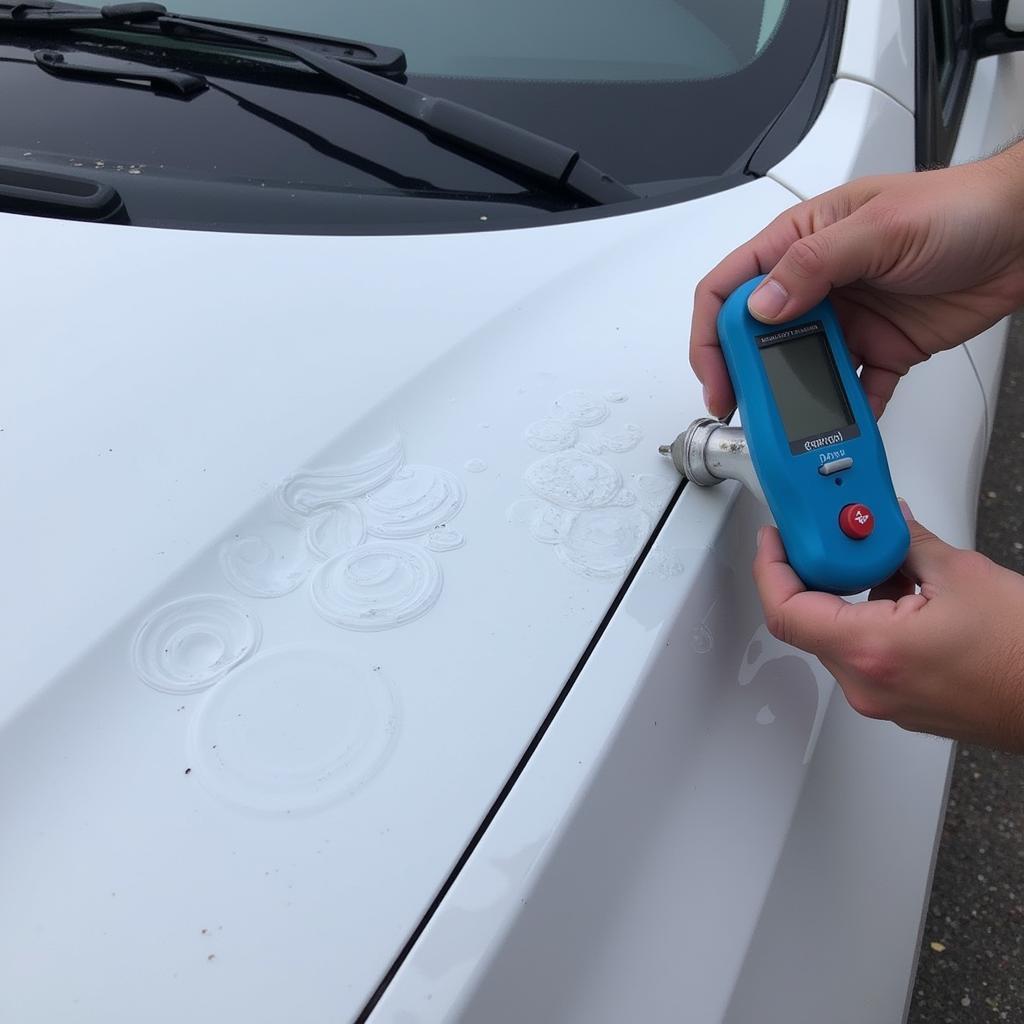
[670, 97]
[561, 41]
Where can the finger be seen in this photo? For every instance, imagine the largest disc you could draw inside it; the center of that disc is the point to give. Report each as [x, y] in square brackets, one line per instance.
[757, 256]
[706, 356]
[929, 558]
[879, 385]
[813, 265]
[803, 618]
[877, 338]
[892, 589]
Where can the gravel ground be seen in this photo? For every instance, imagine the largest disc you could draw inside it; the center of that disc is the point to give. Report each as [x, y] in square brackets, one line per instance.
[972, 951]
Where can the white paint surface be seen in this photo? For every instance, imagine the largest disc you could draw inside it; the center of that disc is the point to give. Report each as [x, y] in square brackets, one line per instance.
[859, 131]
[878, 47]
[168, 416]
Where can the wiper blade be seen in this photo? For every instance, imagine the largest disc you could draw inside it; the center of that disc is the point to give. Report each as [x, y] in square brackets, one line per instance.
[74, 65]
[487, 138]
[42, 16]
[27, 13]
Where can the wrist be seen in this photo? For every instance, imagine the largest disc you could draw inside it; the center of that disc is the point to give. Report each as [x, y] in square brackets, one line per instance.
[1004, 174]
[1000, 179]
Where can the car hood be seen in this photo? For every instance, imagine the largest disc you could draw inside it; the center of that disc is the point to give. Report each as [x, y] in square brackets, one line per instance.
[304, 535]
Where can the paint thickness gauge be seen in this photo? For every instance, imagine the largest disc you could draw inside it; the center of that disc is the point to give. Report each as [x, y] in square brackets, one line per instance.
[809, 446]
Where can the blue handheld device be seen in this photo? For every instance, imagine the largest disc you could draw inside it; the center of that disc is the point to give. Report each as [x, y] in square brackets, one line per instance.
[815, 446]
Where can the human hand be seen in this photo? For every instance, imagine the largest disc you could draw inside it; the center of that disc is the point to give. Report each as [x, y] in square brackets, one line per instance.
[948, 660]
[919, 263]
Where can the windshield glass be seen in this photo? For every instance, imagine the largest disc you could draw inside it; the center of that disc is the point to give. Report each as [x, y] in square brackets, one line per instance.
[672, 98]
[568, 40]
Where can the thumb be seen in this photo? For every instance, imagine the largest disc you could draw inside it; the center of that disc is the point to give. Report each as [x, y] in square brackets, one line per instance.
[929, 557]
[807, 271]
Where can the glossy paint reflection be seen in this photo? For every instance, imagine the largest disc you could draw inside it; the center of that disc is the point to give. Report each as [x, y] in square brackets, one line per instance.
[770, 665]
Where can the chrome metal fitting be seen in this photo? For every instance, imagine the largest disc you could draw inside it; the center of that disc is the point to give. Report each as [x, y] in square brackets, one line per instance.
[708, 452]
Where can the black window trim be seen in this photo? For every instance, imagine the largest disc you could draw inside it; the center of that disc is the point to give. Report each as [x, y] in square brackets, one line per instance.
[937, 115]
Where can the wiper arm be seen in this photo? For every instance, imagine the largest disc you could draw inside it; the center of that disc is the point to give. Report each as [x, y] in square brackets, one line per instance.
[328, 148]
[464, 128]
[500, 142]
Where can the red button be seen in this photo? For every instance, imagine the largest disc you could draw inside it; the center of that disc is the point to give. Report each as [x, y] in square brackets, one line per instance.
[856, 521]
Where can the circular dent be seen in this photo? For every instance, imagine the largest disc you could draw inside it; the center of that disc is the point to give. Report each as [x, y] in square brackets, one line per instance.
[573, 480]
[551, 435]
[269, 563]
[604, 542]
[414, 502]
[582, 408]
[377, 586]
[295, 729]
[193, 642]
[335, 530]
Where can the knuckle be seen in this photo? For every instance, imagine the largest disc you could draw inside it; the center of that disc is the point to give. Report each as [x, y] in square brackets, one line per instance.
[887, 219]
[807, 257]
[867, 704]
[876, 659]
[831, 206]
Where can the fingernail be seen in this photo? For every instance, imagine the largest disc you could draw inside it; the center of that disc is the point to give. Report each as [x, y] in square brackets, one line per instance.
[707, 403]
[767, 300]
[760, 535]
[905, 509]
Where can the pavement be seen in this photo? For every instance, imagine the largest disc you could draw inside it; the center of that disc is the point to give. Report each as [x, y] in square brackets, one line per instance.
[971, 965]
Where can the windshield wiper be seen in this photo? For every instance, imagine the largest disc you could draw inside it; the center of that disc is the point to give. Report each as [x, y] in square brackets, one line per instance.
[42, 16]
[496, 141]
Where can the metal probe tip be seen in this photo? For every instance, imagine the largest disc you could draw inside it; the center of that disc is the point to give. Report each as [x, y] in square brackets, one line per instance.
[665, 449]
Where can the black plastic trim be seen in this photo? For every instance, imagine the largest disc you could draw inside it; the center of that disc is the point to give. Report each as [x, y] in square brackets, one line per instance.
[937, 117]
[45, 194]
[989, 35]
[76, 65]
[802, 110]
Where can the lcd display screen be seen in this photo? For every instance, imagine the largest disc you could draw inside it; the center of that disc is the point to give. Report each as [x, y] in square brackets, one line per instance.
[806, 385]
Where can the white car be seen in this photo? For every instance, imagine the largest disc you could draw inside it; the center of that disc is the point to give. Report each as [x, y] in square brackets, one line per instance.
[362, 659]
